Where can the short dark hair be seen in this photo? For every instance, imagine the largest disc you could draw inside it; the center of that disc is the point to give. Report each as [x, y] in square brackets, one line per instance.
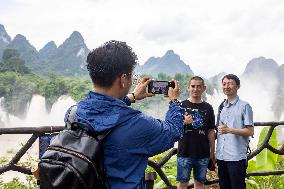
[196, 78]
[109, 61]
[233, 77]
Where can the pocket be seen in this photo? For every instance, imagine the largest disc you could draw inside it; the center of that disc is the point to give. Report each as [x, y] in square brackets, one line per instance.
[181, 162]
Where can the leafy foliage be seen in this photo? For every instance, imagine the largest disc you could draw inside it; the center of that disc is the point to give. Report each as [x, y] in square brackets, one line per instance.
[13, 62]
[266, 160]
[18, 89]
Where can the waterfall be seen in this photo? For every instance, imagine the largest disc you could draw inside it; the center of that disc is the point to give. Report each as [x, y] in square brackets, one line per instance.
[37, 114]
[258, 96]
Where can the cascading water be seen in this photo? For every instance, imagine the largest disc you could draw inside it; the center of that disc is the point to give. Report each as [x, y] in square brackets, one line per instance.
[259, 98]
[37, 114]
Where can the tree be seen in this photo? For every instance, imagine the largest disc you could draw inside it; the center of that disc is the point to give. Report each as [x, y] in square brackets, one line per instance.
[13, 62]
[10, 53]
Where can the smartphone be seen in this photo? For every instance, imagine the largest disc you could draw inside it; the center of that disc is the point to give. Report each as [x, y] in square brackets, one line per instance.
[160, 87]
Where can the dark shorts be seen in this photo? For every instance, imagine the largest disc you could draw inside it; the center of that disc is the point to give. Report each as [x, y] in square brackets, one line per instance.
[232, 174]
[185, 165]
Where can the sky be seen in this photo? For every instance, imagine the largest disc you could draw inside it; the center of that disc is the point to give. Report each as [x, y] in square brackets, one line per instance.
[210, 36]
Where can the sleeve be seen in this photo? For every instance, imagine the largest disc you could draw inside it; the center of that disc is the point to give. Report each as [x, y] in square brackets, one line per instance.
[248, 115]
[159, 136]
[126, 100]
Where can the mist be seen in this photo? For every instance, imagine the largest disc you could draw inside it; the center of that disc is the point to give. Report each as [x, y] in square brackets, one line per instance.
[258, 93]
[37, 114]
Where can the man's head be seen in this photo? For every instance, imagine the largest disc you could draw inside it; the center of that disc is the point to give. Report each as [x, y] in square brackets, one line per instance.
[196, 87]
[230, 84]
[112, 60]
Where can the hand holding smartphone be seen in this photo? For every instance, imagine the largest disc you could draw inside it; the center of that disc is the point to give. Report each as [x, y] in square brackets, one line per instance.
[160, 87]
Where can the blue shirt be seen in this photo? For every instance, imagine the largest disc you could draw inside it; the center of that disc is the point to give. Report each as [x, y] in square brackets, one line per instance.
[134, 137]
[236, 114]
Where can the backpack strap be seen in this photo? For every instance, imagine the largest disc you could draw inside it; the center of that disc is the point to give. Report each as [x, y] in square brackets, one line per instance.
[221, 106]
[71, 117]
[73, 124]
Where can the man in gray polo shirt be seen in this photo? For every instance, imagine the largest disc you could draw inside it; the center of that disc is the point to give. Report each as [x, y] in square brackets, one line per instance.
[235, 126]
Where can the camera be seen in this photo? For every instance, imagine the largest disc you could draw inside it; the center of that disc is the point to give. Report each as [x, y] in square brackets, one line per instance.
[160, 87]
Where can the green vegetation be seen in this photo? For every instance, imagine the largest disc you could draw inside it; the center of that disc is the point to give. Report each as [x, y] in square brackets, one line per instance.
[29, 182]
[266, 161]
[12, 62]
[17, 184]
[18, 85]
[18, 89]
[169, 169]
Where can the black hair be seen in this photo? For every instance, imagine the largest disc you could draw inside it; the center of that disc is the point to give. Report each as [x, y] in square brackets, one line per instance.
[196, 78]
[233, 77]
[109, 61]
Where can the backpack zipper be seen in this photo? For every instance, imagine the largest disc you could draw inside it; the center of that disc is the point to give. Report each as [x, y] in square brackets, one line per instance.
[68, 151]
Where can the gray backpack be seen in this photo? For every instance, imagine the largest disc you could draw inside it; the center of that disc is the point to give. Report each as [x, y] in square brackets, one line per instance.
[74, 159]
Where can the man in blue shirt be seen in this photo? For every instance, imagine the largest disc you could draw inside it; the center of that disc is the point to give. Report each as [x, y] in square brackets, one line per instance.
[135, 136]
[235, 126]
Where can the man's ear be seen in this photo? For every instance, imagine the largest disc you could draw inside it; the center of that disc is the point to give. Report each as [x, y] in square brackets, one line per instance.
[188, 87]
[123, 80]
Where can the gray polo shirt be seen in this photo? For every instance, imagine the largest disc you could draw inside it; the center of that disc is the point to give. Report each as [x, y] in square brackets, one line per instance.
[236, 114]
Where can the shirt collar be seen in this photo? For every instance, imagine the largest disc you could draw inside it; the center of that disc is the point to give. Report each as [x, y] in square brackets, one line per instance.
[234, 101]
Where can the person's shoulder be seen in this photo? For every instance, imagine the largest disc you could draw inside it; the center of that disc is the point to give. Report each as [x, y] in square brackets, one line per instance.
[208, 105]
[185, 103]
[244, 105]
[243, 102]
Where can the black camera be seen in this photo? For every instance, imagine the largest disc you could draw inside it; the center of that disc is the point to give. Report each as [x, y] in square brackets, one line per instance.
[160, 87]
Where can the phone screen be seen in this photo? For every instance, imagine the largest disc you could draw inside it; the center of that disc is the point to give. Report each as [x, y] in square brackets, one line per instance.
[159, 87]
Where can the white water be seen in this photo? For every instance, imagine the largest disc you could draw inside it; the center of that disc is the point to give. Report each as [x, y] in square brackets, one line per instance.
[37, 114]
[260, 98]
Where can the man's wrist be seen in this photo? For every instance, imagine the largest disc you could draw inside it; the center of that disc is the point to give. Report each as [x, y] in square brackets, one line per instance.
[134, 98]
[230, 130]
[174, 101]
[131, 97]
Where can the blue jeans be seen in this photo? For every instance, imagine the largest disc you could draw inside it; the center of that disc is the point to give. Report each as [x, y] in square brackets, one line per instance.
[232, 174]
[185, 165]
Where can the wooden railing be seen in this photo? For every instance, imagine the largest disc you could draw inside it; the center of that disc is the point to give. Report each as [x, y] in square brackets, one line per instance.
[265, 144]
[157, 166]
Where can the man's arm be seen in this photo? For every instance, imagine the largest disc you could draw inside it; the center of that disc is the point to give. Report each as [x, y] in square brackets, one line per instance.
[211, 137]
[139, 92]
[247, 131]
[161, 135]
[212, 134]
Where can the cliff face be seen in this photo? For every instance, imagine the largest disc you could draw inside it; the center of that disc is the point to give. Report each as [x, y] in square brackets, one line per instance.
[169, 64]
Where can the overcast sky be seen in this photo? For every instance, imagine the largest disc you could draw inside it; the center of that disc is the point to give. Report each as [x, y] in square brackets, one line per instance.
[210, 36]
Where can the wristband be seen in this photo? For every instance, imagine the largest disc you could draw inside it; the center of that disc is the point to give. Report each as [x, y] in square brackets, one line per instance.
[175, 100]
[127, 100]
[133, 98]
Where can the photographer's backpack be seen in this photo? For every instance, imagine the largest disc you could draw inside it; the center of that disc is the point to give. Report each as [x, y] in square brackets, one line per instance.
[74, 158]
